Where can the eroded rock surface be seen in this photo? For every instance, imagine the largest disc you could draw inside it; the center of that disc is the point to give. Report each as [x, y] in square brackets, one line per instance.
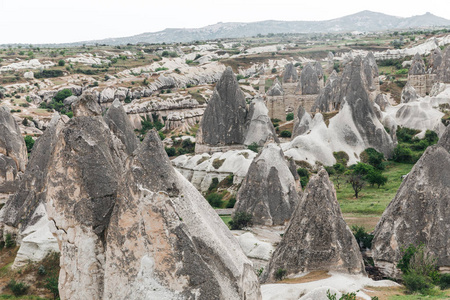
[269, 192]
[290, 73]
[317, 237]
[260, 128]
[419, 213]
[417, 66]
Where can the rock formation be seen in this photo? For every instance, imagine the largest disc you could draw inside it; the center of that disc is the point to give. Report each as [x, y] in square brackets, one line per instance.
[325, 102]
[408, 94]
[13, 152]
[260, 128]
[309, 80]
[24, 214]
[443, 71]
[382, 101]
[290, 74]
[317, 237]
[119, 123]
[269, 192]
[419, 213]
[275, 89]
[417, 66]
[435, 60]
[301, 122]
[370, 69]
[354, 93]
[225, 116]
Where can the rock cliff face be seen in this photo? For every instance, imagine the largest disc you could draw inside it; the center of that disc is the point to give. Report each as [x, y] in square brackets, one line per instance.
[290, 74]
[13, 152]
[224, 120]
[419, 213]
[269, 191]
[417, 66]
[370, 69]
[382, 101]
[435, 61]
[309, 80]
[260, 128]
[317, 237]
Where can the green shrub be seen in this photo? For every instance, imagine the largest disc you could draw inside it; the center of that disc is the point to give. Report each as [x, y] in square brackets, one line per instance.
[254, 147]
[280, 274]
[231, 202]
[214, 199]
[127, 99]
[18, 288]
[214, 184]
[444, 281]
[61, 63]
[405, 135]
[239, 77]
[361, 168]
[403, 154]
[417, 283]
[363, 238]
[171, 151]
[217, 163]
[285, 133]
[373, 158]
[241, 220]
[341, 157]
[304, 176]
[51, 284]
[29, 142]
[290, 117]
[9, 241]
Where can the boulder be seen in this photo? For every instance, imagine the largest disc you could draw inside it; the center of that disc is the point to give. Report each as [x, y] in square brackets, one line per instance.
[28, 75]
[419, 212]
[290, 73]
[317, 237]
[260, 128]
[224, 119]
[409, 94]
[269, 192]
[119, 123]
[417, 66]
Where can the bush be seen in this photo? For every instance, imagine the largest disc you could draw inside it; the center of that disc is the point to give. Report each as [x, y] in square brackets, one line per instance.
[405, 135]
[280, 274]
[274, 70]
[29, 142]
[9, 242]
[51, 284]
[254, 147]
[444, 281]
[285, 133]
[403, 154]
[241, 220]
[373, 158]
[214, 184]
[214, 199]
[171, 151]
[341, 157]
[363, 238]
[231, 202]
[217, 163]
[417, 283]
[63, 94]
[18, 288]
[290, 117]
[304, 176]
[61, 63]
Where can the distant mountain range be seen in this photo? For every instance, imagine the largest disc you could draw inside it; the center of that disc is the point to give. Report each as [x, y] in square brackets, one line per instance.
[364, 21]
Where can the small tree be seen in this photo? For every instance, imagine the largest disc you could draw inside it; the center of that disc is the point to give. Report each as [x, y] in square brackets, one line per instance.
[357, 182]
[375, 177]
[339, 170]
[61, 63]
[290, 117]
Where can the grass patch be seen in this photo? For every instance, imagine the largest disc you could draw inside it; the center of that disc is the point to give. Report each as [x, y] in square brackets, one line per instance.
[372, 200]
[226, 220]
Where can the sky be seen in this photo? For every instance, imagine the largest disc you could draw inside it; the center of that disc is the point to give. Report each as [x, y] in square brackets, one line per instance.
[60, 21]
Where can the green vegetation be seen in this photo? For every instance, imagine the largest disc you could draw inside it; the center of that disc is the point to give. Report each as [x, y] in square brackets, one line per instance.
[363, 238]
[241, 220]
[18, 288]
[57, 103]
[254, 147]
[410, 148]
[29, 142]
[280, 274]
[285, 133]
[290, 117]
[304, 176]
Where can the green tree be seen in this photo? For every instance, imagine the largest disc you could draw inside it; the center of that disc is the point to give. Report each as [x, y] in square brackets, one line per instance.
[375, 177]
